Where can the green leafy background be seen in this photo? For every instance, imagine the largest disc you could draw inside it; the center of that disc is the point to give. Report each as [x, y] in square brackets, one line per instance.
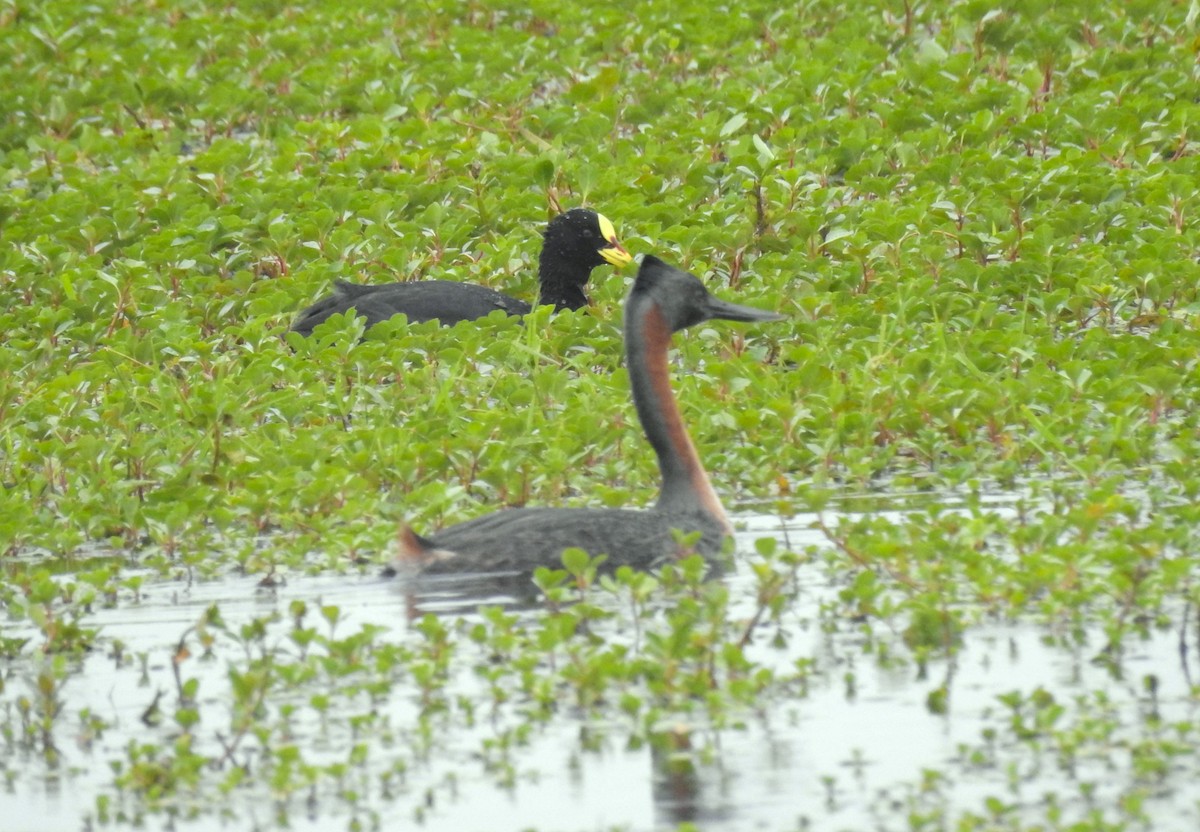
[980, 219]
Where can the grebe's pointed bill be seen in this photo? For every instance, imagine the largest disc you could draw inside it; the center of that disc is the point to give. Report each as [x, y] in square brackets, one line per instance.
[723, 309]
[684, 300]
[614, 252]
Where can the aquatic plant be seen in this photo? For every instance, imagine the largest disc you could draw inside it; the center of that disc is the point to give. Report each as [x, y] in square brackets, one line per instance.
[979, 422]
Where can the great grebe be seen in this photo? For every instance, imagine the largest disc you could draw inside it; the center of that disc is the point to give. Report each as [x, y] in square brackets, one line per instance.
[663, 301]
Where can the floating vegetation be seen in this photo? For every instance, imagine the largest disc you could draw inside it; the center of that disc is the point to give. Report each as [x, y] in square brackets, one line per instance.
[966, 594]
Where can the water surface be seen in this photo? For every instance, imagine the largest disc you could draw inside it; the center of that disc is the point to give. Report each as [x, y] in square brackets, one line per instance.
[866, 755]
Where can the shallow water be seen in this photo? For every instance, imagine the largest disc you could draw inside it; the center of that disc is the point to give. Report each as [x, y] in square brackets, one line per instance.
[832, 760]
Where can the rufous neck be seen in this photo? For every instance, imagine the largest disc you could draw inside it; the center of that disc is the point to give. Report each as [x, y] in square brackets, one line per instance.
[685, 484]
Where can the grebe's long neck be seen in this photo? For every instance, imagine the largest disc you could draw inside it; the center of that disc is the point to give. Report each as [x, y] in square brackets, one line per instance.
[685, 485]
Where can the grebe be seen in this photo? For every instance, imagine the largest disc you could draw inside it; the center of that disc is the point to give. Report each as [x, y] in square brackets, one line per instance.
[663, 301]
[573, 244]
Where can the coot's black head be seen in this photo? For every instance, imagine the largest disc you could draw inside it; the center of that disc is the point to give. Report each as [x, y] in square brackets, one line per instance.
[682, 299]
[584, 239]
